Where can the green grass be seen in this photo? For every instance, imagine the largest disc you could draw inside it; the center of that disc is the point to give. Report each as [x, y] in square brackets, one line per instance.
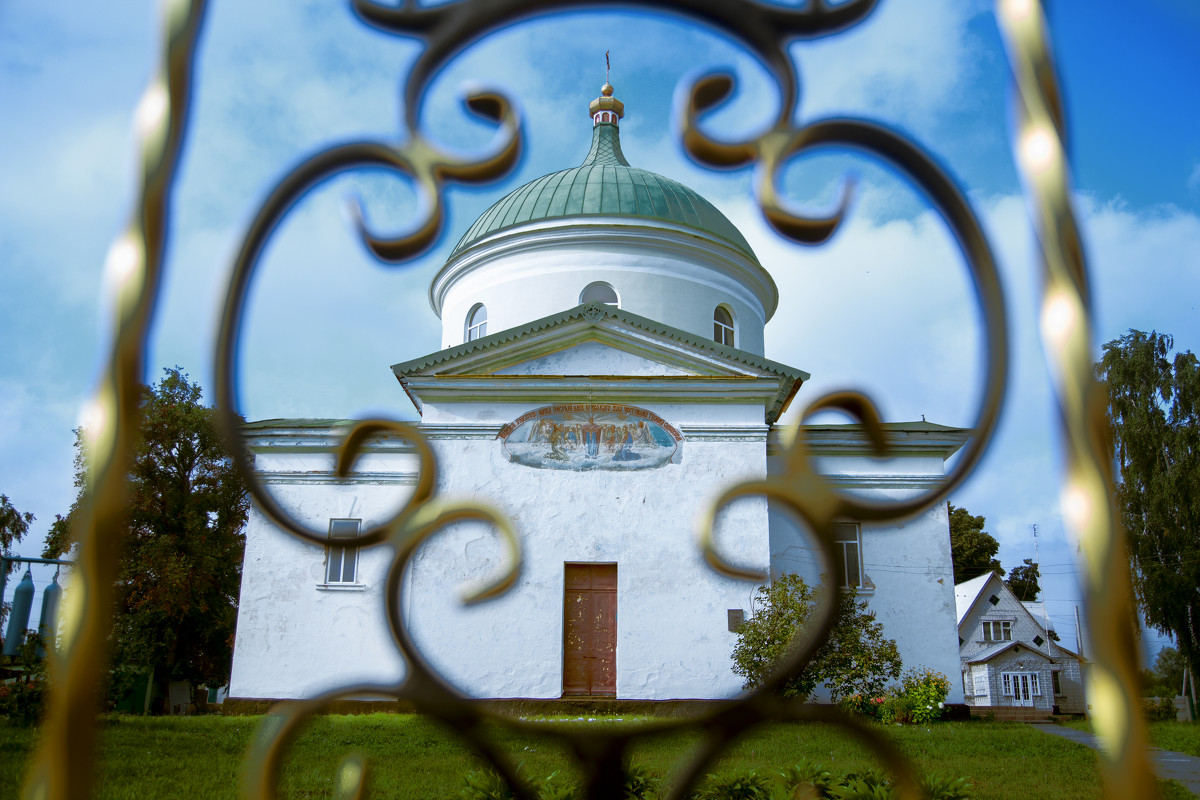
[411, 757]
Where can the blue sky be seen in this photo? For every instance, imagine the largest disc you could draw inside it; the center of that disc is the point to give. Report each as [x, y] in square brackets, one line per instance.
[884, 306]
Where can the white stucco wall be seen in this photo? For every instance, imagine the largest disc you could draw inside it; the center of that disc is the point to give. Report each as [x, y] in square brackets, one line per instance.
[672, 626]
[906, 566]
[296, 636]
[670, 274]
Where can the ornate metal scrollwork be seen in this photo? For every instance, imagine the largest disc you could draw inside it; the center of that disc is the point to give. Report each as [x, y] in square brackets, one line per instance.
[446, 30]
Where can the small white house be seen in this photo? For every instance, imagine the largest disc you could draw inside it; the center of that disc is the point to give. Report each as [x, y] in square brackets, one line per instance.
[602, 379]
[1010, 662]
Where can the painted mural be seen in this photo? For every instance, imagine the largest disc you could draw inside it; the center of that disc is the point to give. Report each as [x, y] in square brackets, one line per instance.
[590, 436]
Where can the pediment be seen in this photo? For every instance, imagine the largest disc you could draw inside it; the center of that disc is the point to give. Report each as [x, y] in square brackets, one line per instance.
[596, 340]
[596, 358]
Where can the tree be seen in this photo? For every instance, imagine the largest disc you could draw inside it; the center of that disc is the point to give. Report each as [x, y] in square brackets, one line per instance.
[180, 572]
[13, 525]
[1154, 412]
[972, 548]
[856, 658]
[1166, 679]
[1023, 580]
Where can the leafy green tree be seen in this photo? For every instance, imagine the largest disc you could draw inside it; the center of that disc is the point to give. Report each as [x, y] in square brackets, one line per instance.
[13, 525]
[1154, 411]
[1023, 580]
[177, 587]
[1166, 679]
[972, 548]
[856, 658]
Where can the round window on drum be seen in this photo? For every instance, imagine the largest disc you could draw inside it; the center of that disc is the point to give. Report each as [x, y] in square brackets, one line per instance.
[600, 292]
[723, 326]
[477, 322]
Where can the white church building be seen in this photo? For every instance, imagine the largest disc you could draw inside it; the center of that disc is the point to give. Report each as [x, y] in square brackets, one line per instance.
[602, 379]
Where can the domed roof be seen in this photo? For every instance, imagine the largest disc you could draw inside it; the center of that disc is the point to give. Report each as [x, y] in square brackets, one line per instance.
[605, 185]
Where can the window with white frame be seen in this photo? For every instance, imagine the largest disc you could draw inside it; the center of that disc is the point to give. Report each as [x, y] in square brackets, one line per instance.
[997, 630]
[847, 555]
[600, 292]
[341, 560]
[723, 326]
[477, 322]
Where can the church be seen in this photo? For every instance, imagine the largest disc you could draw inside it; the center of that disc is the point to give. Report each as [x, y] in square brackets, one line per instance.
[602, 379]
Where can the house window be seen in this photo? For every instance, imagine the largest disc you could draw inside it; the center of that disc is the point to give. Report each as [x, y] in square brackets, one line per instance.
[723, 326]
[998, 630]
[1056, 679]
[477, 322]
[600, 292]
[341, 563]
[847, 555]
[1021, 685]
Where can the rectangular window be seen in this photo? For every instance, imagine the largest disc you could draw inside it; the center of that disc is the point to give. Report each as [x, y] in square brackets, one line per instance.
[998, 630]
[1035, 684]
[1007, 678]
[1056, 679]
[341, 563]
[847, 554]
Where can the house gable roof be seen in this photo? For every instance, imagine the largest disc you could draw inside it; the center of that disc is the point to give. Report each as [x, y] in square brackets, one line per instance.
[988, 653]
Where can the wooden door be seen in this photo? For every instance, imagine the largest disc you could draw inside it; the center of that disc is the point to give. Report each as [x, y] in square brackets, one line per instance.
[590, 630]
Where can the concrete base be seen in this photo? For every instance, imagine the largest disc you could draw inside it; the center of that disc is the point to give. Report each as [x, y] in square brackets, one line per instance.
[1011, 713]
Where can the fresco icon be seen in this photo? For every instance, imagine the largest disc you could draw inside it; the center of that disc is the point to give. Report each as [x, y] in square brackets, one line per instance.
[591, 436]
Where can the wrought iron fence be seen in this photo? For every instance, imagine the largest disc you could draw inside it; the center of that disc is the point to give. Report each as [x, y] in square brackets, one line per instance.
[62, 767]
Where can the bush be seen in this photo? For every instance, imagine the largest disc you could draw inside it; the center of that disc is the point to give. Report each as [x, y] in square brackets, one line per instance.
[897, 710]
[1160, 709]
[927, 689]
[856, 658]
[807, 781]
[737, 786]
[21, 698]
[861, 705]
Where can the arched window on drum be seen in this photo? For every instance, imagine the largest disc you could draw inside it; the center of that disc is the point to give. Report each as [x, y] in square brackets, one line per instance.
[723, 328]
[477, 322]
[600, 292]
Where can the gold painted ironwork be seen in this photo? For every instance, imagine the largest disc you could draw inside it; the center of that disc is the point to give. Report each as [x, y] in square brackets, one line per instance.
[65, 756]
[1086, 496]
[62, 764]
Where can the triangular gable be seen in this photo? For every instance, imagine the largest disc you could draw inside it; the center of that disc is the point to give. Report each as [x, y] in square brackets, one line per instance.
[596, 358]
[612, 327]
[967, 592]
[987, 654]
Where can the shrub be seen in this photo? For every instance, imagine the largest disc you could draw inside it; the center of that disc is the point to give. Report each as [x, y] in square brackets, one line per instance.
[1160, 709]
[638, 783]
[927, 689]
[807, 781]
[897, 710]
[861, 705]
[21, 698]
[486, 784]
[868, 785]
[855, 658]
[938, 787]
[737, 786]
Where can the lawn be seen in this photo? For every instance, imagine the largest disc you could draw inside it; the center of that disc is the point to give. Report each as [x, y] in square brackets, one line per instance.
[1182, 737]
[410, 757]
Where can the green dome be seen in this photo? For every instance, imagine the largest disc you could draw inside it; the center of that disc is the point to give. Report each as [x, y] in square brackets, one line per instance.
[604, 185]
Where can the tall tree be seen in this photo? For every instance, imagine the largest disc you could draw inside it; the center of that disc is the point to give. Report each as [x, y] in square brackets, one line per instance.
[1023, 580]
[1154, 410]
[177, 588]
[972, 548]
[13, 525]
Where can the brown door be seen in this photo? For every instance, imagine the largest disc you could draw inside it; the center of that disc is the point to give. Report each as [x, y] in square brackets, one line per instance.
[590, 630]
